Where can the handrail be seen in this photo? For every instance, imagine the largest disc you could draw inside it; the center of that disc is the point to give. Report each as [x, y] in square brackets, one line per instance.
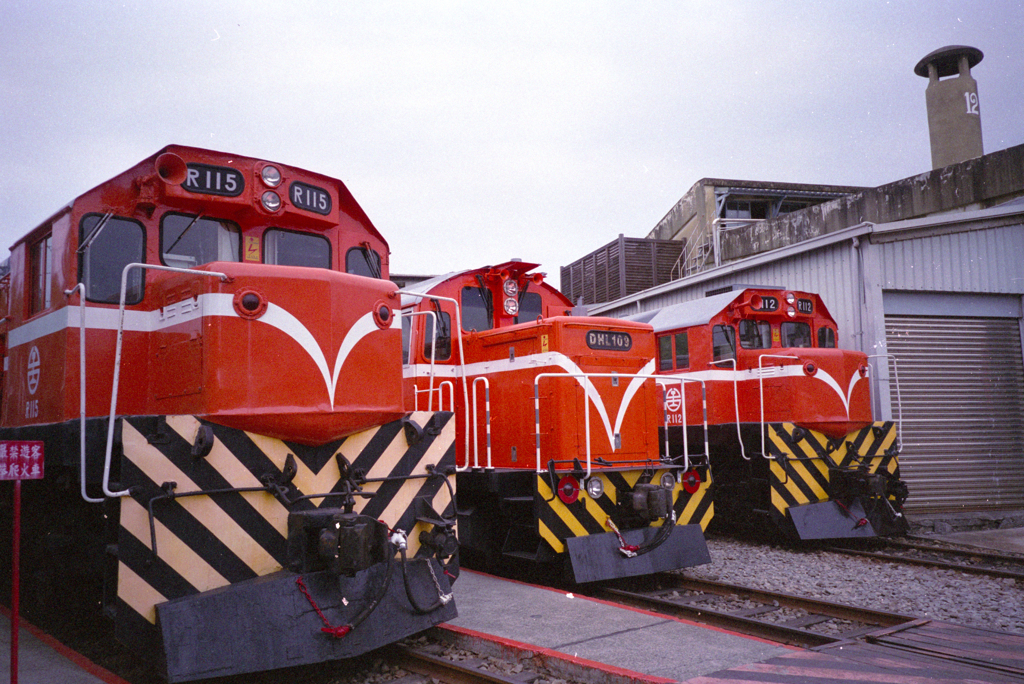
[760, 381]
[671, 380]
[586, 402]
[899, 398]
[117, 359]
[80, 289]
[433, 352]
[462, 359]
[735, 402]
[487, 423]
[440, 396]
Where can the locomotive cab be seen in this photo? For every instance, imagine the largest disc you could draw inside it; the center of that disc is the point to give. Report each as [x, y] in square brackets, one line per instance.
[557, 428]
[790, 424]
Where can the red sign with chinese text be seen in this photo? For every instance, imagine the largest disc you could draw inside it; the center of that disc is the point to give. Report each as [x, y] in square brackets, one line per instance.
[21, 460]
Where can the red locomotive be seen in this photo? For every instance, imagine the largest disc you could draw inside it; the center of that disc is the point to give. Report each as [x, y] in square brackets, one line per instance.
[208, 345]
[790, 431]
[557, 451]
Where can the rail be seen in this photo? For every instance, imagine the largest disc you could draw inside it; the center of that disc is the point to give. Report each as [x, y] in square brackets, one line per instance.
[433, 352]
[80, 289]
[665, 382]
[760, 382]
[586, 400]
[735, 403]
[899, 398]
[461, 368]
[117, 359]
[487, 423]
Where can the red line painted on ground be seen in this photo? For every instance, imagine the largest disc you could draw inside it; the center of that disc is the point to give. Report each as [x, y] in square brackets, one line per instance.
[74, 656]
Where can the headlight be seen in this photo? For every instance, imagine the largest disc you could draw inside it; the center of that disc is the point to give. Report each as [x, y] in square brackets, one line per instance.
[668, 480]
[271, 201]
[790, 298]
[791, 312]
[595, 487]
[271, 176]
[510, 287]
[511, 306]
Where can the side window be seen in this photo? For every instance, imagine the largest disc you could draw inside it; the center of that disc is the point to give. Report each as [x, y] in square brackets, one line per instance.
[682, 351]
[476, 309]
[362, 261]
[40, 273]
[188, 240]
[755, 334]
[827, 338]
[444, 337]
[288, 248]
[531, 307]
[406, 335]
[665, 352]
[796, 334]
[723, 342]
[111, 245]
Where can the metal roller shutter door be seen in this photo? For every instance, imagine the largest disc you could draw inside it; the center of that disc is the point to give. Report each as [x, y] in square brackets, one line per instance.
[962, 384]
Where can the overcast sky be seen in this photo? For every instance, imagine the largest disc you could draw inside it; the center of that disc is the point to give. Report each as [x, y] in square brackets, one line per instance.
[474, 132]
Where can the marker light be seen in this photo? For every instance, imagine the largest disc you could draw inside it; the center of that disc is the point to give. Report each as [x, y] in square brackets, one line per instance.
[511, 306]
[568, 489]
[595, 487]
[791, 312]
[790, 298]
[510, 287]
[668, 480]
[271, 201]
[271, 176]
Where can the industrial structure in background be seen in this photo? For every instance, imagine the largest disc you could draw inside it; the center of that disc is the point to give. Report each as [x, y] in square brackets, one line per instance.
[926, 269]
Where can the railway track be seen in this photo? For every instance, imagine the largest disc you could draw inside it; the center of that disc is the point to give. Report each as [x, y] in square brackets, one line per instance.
[783, 618]
[429, 664]
[930, 554]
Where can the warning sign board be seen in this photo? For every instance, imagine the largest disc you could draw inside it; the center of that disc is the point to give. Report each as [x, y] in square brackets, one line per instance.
[21, 460]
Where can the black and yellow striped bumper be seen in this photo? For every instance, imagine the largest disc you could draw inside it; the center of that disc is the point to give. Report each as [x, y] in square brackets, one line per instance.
[174, 544]
[804, 464]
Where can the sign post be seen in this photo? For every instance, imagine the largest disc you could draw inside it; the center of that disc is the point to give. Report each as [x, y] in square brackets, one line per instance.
[18, 461]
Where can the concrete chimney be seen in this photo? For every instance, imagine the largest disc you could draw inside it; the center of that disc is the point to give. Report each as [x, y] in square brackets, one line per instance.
[954, 118]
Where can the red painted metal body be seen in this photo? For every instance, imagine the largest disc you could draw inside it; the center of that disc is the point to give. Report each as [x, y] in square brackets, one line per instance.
[777, 377]
[308, 364]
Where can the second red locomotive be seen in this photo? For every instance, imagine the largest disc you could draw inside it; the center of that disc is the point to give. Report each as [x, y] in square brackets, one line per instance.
[557, 450]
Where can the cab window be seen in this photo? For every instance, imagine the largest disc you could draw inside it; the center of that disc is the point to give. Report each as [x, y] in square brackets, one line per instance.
[796, 334]
[682, 350]
[190, 240]
[40, 270]
[755, 334]
[477, 310]
[110, 245]
[531, 307]
[288, 248]
[665, 352]
[826, 338]
[723, 342]
[443, 351]
[362, 261]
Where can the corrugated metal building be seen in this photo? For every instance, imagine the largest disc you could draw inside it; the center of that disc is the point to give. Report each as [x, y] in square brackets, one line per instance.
[943, 294]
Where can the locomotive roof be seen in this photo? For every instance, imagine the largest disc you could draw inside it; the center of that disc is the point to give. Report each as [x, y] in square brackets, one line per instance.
[516, 267]
[687, 314]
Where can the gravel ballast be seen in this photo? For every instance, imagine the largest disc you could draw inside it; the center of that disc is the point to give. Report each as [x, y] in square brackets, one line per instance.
[903, 589]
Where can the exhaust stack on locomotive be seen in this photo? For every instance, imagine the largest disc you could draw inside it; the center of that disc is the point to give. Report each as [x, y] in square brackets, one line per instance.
[558, 457]
[208, 346]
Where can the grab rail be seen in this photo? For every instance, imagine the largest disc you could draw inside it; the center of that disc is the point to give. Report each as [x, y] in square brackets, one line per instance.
[117, 359]
[760, 381]
[899, 398]
[735, 402]
[80, 289]
[586, 401]
[487, 423]
[664, 382]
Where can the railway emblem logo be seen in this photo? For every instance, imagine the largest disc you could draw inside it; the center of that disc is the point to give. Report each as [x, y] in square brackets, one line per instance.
[673, 399]
[33, 370]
